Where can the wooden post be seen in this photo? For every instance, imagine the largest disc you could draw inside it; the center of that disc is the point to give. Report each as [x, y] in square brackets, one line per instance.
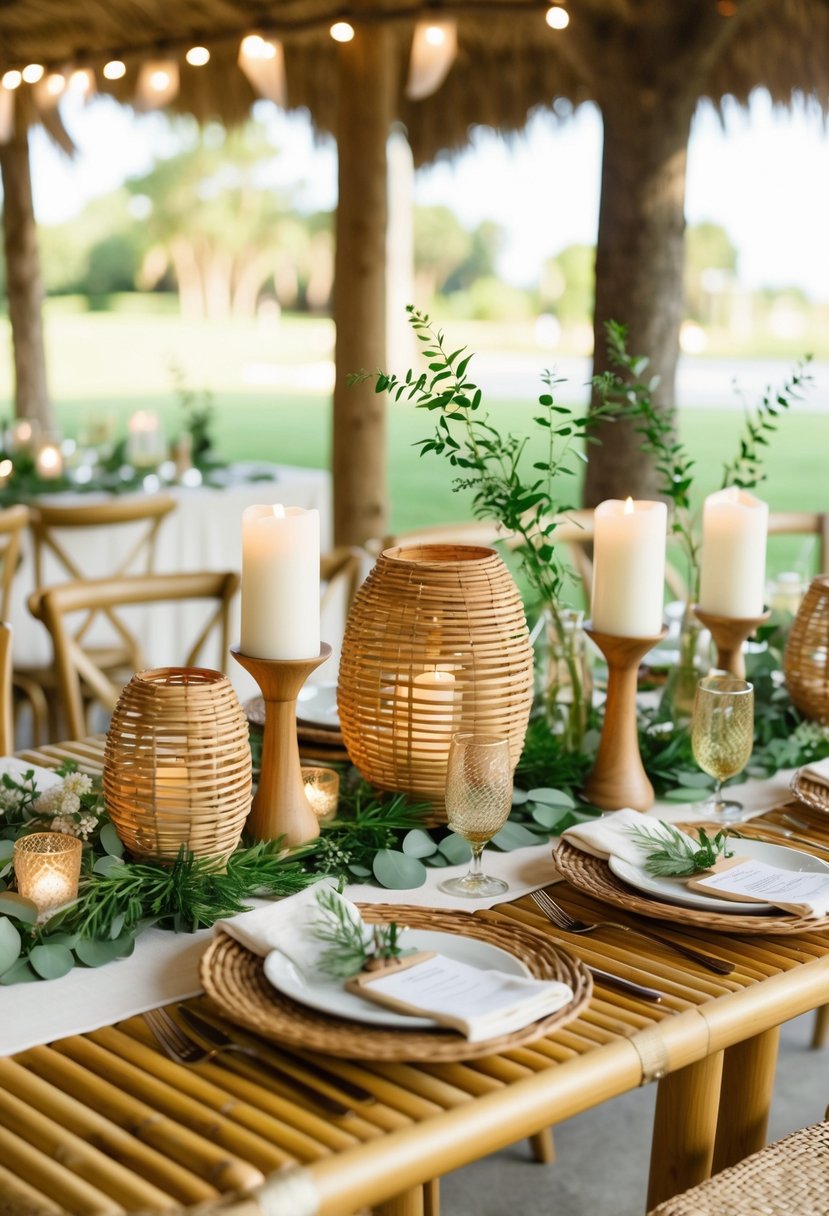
[365, 79]
[23, 283]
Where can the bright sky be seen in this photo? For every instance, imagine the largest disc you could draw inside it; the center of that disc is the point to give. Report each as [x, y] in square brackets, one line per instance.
[764, 176]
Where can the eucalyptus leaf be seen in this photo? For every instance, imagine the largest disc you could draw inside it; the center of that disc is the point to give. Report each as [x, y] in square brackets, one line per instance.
[20, 973]
[549, 797]
[95, 953]
[549, 816]
[6, 849]
[418, 843]
[455, 849]
[436, 859]
[107, 865]
[359, 871]
[519, 797]
[9, 944]
[684, 793]
[693, 780]
[18, 907]
[514, 836]
[110, 841]
[51, 961]
[398, 872]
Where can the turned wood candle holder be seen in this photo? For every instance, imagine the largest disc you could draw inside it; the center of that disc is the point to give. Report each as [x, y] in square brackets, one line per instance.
[280, 807]
[618, 777]
[729, 633]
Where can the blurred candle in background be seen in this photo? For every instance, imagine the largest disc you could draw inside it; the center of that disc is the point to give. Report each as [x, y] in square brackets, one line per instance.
[733, 561]
[629, 568]
[49, 462]
[280, 582]
[145, 439]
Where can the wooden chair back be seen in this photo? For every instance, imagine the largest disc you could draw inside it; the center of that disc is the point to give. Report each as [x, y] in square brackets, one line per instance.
[6, 708]
[54, 523]
[804, 523]
[341, 572]
[13, 520]
[78, 675]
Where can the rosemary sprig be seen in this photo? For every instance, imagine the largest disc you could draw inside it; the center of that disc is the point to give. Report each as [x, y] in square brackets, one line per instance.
[349, 951]
[672, 854]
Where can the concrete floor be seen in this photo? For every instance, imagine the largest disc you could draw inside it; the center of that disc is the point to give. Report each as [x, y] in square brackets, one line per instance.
[601, 1166]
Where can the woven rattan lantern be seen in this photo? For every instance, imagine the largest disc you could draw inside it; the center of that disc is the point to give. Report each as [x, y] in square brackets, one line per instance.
[177, 766]
[806, 659]
[436, 642]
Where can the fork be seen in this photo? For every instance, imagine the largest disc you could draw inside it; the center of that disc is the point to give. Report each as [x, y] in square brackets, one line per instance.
[555, 913]
[180, 1047]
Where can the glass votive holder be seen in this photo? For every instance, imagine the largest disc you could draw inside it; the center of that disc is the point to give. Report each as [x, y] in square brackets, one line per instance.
[322, 789]
[47, 867]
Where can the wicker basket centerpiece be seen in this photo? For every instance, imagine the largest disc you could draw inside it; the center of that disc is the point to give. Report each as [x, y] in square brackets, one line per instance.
[436, 642]
[177, 767]
[806, 658]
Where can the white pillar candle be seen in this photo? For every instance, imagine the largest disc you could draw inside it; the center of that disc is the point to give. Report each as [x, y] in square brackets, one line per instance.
[280, 582]
[145, 439]
[733, 561]
[49, 462]
[629, 568]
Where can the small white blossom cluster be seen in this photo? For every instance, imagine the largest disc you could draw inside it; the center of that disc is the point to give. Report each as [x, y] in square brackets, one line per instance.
[64, 803]
[9, 799]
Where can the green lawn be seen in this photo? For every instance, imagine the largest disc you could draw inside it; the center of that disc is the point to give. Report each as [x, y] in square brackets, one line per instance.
[117, 363]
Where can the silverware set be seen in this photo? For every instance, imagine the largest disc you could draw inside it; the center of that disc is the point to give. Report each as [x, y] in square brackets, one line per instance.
[181, 1047]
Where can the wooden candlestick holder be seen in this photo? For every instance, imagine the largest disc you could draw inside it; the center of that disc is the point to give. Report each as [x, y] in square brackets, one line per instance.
[618, 777]
[729, 633]
[280, 807]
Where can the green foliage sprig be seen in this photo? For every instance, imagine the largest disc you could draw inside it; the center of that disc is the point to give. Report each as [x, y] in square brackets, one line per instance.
[348, 949]
[670, 854]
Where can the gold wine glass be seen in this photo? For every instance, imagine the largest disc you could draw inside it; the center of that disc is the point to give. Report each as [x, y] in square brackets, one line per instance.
[722, 735]
[478, 801]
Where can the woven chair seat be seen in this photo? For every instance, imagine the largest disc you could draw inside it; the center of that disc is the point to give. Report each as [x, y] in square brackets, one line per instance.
[788, 1178]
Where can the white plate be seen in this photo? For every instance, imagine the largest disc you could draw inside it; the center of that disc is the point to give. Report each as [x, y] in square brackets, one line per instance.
[327, 994]
[317, 705]
[674, 891]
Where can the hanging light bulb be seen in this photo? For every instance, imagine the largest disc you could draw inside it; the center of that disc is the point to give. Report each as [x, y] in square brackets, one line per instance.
[54, 84]
[157, 84]
[263, 62]
[342, 31]
[82, 82]
[33, 72]
[11, 79]
[434, 48]
[116, 69]
[197, 56]
[557, 17]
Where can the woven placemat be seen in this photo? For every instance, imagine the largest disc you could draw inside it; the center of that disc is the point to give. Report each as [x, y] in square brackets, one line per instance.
[592, 875]
[814, 794]
[234, 979]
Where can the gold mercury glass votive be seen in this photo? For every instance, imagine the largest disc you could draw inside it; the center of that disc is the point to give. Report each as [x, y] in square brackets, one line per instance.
[47, 866]
[322, 789]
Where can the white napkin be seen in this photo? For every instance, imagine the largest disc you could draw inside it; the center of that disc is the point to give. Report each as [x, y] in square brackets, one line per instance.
[819, 771]
[44, 778]
[287, 925]
[610, 835]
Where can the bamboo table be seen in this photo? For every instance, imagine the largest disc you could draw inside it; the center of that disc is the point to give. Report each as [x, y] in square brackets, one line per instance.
[105, 1123]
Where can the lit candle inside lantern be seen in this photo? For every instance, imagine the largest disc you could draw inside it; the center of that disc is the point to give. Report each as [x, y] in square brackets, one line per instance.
[6, 470]
[322, 789]
[172, 787]
[280, 582]
[429, 710]
[24, 434]
[145, 439]
[733, 561]
[629, 568]
[47, 867]
[49, 462]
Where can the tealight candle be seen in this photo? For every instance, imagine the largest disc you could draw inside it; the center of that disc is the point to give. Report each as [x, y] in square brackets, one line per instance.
[280, 582]
[49, 462]
[629, 568]
[47, 866]
[6, 470]
[145, 439]
[733, 560]
[322, 789]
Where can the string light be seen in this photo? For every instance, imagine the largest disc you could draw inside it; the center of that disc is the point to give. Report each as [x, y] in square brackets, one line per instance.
[342, 31]
[197, 56]
[81, 81]
[54, 84]
[11, 79]
[557, 17]
[33, 72]
[116, 69]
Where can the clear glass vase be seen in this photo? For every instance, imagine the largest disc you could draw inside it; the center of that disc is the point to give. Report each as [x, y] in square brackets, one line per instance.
[564, 681]
[677, 699]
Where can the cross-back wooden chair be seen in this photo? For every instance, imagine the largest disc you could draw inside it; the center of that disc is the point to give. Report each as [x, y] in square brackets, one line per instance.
[341, 572]
[13, 523]
[804, 523]
[6, 709]
[79, 678]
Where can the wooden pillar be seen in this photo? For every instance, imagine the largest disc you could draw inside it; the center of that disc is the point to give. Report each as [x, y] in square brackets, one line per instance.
[365, 81]
[23, 283]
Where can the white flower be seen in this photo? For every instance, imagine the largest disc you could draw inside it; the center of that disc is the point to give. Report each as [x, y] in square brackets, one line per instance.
[49, 800]
[77, 783]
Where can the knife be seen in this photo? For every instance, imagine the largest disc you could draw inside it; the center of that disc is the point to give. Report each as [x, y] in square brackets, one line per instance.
[623, 985]
[219, 1039]
[776, 829]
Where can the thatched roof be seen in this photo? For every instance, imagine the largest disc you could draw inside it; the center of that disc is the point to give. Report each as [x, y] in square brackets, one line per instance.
[509, 62]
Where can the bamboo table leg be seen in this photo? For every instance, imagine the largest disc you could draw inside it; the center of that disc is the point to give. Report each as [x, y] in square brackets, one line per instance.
[543, 1146]
[745, 1097]
[821, 1026]
[684, 1128]
[409, 1203]
[431, 1197]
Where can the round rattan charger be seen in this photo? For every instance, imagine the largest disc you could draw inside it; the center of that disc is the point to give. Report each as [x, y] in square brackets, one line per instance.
[234, 979]
[593, 876]
[813, 793]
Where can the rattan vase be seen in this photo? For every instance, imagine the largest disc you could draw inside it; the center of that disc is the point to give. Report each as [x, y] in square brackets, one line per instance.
[806, 658]
[177, 766]
[436, 642]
